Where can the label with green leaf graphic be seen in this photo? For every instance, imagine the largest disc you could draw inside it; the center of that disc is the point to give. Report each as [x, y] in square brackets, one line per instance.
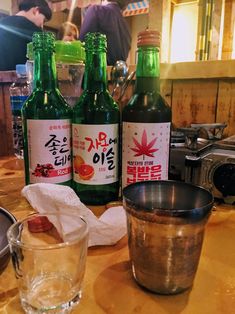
[145, 153]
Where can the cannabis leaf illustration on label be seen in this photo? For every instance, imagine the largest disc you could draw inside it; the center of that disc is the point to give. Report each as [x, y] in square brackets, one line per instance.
[144, 148]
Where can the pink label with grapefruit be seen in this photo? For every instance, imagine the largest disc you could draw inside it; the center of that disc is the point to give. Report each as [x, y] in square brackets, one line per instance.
[95, 153]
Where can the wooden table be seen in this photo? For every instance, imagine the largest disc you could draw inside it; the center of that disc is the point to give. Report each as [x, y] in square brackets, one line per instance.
[108, 284]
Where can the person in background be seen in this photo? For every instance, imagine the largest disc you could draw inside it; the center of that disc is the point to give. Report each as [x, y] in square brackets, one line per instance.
[107, 19]
[68, 32]
[17, 30]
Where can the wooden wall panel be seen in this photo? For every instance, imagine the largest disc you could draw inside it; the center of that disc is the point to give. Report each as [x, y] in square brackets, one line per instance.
[8, 120]
[166, 90]
[229, 20]
[193, 101]
[6, 142]
[226, 106]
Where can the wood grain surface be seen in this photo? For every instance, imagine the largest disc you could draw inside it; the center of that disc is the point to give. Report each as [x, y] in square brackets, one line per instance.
[109, 286]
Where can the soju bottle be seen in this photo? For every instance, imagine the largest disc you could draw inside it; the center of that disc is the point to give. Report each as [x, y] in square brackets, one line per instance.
[146, 119]
[46, 120]
[95, 130]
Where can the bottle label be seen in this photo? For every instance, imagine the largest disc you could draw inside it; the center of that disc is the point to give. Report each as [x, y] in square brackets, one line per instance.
[145, 152]
[49, 149]
[95, 153]
[17, 102]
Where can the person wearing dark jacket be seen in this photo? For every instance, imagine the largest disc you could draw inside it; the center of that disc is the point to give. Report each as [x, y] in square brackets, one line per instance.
[17, 30]
[107, 19]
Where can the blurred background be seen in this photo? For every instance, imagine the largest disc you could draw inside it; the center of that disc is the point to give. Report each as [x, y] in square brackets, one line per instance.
[191, 30]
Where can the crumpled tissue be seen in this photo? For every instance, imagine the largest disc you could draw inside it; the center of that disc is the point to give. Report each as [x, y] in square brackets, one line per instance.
[48, 197]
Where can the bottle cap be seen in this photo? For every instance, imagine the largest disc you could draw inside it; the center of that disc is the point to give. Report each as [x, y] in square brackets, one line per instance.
[44, 41]
[148, 38]
[21, 69]
[95, 42]
[69, 51]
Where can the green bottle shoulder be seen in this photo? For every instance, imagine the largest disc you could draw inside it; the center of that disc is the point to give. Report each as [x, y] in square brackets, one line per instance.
[101, 100]
[96, 108]
[147, 107]
[46, 105]
[147, 100]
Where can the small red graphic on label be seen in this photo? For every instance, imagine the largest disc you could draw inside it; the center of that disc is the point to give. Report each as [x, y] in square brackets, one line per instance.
[144, 148]
[77, 162]
[86, 172]
[43, 170]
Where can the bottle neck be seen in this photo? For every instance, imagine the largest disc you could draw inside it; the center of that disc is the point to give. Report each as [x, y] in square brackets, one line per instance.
[147, 70]
[45, 70]
[95, 76]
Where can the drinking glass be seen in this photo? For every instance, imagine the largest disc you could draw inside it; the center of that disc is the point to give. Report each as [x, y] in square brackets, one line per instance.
[49, 256]
[166, 223]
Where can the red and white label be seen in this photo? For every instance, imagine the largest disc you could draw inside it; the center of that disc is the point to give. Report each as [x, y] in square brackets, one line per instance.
[95, 153]
[49, 149]
[145, 153]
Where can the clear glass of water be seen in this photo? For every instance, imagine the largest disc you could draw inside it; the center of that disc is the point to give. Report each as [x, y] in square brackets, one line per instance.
[49, 256]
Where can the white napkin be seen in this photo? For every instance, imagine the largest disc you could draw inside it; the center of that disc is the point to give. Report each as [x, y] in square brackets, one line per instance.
[47, 197]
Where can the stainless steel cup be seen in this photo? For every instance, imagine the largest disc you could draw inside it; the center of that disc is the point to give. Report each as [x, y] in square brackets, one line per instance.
[166, 222]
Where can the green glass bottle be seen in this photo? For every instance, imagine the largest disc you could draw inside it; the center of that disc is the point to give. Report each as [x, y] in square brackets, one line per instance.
[46, 120]
[95, 130]
[146, 118]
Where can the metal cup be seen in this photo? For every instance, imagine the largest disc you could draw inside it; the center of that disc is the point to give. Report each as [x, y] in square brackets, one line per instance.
[166, 222]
